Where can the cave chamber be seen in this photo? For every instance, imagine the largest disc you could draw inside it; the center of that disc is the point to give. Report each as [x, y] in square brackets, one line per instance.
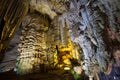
[60, 39]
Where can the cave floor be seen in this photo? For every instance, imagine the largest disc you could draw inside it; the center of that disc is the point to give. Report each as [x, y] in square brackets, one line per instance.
[51, 75]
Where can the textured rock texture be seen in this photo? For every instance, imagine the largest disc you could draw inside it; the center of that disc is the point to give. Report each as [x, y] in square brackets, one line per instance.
[95, 27]
[32, 45]
[9, 60]
[11, 15]
[93, 24]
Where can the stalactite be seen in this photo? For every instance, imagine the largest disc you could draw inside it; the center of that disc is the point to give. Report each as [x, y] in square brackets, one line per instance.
[12, 16]
[63, 31]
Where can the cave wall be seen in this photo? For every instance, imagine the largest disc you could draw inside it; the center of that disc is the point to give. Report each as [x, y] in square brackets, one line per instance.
[94, 24]
[11, 15]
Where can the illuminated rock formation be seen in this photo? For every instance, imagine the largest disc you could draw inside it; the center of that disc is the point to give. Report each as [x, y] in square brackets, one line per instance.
[93, 24]
[32, 46]
[11, 15]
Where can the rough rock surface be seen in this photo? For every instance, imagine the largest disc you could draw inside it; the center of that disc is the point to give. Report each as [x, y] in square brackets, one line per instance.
[33, 45]
[94, 24]
[96, 28]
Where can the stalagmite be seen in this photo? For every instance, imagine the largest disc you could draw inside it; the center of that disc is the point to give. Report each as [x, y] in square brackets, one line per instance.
[32, 47]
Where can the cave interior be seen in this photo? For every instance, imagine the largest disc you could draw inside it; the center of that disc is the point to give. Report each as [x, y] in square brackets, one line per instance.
[59, 40]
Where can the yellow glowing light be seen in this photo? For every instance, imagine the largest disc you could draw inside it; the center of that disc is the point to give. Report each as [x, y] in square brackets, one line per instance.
[66, 56]
[66, 68]
[67, 61]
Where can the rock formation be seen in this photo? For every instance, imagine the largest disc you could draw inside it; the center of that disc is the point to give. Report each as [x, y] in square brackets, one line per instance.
[93, 24]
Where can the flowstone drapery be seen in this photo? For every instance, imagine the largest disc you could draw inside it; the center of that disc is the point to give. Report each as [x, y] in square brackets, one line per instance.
[93, 25]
